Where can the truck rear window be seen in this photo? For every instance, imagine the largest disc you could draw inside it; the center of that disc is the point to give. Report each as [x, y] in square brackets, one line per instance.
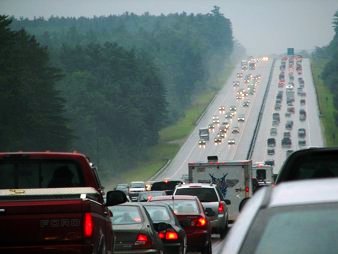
[24, 174]
[203, 194]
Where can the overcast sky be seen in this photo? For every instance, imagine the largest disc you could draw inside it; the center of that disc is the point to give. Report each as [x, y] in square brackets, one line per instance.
[261, 26]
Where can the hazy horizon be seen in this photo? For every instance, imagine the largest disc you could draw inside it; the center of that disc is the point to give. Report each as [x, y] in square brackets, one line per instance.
[261, 26]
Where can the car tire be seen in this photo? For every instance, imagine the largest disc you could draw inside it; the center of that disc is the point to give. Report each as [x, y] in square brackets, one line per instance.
[207, 249]
[224, 232]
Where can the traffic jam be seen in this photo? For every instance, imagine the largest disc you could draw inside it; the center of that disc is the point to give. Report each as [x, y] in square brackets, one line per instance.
[226, 125]
[241, 203]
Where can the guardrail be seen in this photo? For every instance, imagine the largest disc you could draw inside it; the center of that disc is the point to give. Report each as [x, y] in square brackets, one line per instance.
[254, 137]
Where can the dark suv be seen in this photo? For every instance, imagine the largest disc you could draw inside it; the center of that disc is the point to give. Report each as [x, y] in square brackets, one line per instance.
[213, 202]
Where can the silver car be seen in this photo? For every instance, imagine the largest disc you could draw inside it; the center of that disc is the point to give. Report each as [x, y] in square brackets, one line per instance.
[213, 202]
[293, 217]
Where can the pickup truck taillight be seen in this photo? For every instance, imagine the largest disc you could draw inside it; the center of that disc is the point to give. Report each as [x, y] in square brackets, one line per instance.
[88, 225]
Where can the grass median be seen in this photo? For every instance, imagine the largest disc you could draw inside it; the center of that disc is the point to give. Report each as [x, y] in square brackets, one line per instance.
[327, 110]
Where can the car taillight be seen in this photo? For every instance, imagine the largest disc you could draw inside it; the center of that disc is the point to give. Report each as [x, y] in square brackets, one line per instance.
[168, 235]
[142, 240]
[247, 189]
[220, 207]
[88, 225]
[199, 222]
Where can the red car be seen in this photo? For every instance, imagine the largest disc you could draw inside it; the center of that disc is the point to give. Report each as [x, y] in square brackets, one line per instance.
[191, 216]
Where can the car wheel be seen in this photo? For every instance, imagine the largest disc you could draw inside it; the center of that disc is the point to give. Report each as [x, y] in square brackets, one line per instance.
[224, 232]
[207, 249]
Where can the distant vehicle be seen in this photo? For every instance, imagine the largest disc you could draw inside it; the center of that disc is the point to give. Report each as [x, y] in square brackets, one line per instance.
[276, 116]
[235, 83]
[166, 185]
[233, 109]
[286, 142]
[204, 133]
[221, 109]
[122, 187]
[295, 204]
[246, 103]
[201, 143]
[134, 231]
[289, 124]
[263, 173]
[301, 133]
[235, 130]
[302, 115]
[231, 141]
[271, 151]
[215, 120]
[239, 75]
[147, 195]
[271, 142]
[135, 188]
[273, 131]
[211, 127]
[302, 142]
[319, 162]
[302, 102]
[190, 213]
[217, 140]
[228, 116]
[287, 134]
[241, 118]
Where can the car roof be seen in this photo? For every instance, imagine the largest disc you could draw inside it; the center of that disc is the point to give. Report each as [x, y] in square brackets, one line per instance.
[197, 185]
[174, 197]
[303, 192]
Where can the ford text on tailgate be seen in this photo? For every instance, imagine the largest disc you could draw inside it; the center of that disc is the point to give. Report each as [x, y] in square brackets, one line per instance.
[52, 203]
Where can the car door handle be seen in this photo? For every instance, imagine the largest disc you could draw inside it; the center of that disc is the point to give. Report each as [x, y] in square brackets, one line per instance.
[239, 189]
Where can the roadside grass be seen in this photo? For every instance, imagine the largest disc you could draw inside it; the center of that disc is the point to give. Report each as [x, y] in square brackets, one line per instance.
[172, 137]
[326, 106]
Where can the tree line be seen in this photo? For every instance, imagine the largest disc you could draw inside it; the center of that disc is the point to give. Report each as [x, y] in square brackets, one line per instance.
[329, 55]
[105, 86]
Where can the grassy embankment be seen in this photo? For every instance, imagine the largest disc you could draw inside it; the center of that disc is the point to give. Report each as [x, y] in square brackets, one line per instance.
[173, 136]
[326, 106]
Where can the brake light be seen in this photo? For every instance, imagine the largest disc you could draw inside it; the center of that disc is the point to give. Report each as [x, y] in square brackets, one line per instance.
[246, 188]
[88, 225]
[199, 222]
[168, 235]
[220, 207]
[142, 240]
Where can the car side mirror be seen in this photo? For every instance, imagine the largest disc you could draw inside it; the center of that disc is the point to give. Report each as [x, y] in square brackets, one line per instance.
[116, 197]
[227, 201]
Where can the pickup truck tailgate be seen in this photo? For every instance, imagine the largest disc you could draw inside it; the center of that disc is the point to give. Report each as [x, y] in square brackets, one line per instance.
[53, 217]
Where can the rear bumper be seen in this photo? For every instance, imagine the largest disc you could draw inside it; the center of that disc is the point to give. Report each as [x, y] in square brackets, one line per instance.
[197, 240]
[218, 224]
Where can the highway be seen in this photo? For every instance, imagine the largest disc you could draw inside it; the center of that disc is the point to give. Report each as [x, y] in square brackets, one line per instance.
[191, 152]
[266, 92]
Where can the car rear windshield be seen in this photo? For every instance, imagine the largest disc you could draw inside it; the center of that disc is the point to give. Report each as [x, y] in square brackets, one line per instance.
[203, 194]
[299, 229]
[137, 185]
[32, 173]
[158, 213]
[182, 207]
[165, 185]
[123, 215]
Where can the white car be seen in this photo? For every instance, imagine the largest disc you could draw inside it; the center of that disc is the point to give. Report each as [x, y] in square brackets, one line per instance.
[231, 141]
[292, 217]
